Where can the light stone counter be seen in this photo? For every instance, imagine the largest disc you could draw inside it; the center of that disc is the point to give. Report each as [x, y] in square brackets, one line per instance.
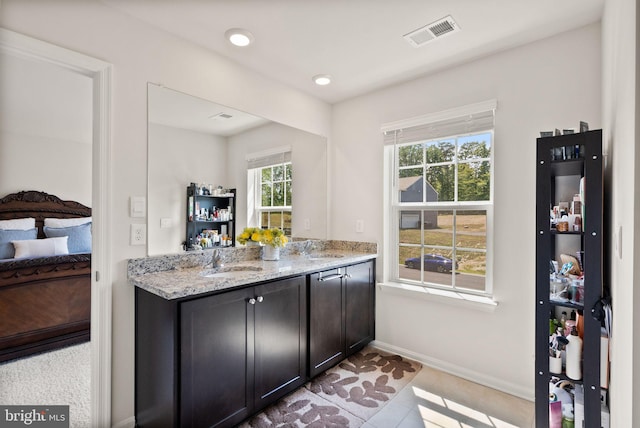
[182, 275]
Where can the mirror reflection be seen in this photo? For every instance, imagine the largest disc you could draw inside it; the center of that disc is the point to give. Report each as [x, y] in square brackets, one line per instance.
[278, 172]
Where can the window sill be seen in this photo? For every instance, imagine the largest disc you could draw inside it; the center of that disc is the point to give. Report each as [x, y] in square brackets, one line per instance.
[455, 298]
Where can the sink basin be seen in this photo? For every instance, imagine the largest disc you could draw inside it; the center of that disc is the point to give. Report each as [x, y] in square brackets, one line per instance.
[229, 271]
[325, 256]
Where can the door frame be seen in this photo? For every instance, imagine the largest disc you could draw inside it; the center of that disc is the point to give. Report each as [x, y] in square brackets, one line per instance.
[99, 72]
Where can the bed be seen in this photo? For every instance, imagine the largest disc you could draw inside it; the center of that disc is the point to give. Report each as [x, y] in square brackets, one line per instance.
[45, 294]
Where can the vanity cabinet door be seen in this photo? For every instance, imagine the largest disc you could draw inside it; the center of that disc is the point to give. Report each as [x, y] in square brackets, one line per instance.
[216, 378]
[359, 306]
[326, 320]
[280, 338]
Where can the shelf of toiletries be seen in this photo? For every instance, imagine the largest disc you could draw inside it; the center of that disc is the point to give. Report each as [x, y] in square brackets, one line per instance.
[569, 280]
[209, 217]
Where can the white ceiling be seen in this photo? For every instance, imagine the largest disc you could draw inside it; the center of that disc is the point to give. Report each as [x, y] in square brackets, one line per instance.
[176, 109]
[358, 42]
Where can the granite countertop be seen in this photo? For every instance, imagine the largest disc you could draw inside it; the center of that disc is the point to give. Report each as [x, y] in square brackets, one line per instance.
[177, 276]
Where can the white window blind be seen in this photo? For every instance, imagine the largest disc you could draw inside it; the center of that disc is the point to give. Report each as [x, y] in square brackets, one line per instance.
[468, 119]
[268, 158]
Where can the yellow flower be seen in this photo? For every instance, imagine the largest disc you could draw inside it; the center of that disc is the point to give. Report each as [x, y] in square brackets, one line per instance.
[274, 236]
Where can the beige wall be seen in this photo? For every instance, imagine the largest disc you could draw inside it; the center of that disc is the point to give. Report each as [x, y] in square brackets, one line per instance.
[620, 122]
[308, 159]
[45, 129]
[178, 157]
[540, 86]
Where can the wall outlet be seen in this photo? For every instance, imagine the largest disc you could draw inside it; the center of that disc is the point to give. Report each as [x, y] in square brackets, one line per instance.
[138, 234]
[307, 224]
[359, 226]
[165, 223]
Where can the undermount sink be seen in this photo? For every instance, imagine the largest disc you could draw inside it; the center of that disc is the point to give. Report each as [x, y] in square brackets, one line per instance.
[229, 271]
[325, 256]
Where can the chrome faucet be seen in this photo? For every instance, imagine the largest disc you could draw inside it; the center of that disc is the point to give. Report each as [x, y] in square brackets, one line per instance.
[216, 259]
[307, 248]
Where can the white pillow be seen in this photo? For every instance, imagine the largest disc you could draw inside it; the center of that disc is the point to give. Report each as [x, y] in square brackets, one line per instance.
[66, 222]
[41, 247]
[18, 224]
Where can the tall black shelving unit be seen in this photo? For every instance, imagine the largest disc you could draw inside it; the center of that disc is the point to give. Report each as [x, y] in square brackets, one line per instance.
[196, 223]
[562, 161]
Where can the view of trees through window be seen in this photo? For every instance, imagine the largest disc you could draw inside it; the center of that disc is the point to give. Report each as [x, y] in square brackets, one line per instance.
[442, 238]
[437, 162]
[275, 197]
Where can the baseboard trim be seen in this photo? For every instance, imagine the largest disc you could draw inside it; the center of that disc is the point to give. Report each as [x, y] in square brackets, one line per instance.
[463, 372]
[127, 423]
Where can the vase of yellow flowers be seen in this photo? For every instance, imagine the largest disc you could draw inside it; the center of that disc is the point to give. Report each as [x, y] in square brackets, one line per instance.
[270, 253]
[271, 240]
[250, 236]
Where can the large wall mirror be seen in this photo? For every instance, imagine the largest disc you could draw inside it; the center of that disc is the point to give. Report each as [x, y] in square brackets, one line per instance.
[191, 139]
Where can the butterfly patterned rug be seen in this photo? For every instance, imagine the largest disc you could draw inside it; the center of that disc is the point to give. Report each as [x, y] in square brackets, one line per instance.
[346, 395]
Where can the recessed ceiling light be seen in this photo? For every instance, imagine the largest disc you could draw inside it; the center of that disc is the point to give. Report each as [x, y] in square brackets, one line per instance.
[239, 37]
[322, 79]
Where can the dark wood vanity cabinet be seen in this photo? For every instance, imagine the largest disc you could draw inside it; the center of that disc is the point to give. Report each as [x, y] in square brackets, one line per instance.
[213, 361]
[326, 320]
[280, 339]
[341, 314]
[359, 306]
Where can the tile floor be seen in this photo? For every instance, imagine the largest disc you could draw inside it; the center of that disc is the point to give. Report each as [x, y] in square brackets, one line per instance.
[436, 399]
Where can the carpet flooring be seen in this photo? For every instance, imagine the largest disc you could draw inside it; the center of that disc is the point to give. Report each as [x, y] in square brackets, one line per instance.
[346, 395]
[61, 377]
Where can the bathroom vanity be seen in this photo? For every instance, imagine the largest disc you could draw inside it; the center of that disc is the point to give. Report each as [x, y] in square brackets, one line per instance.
[215, 345]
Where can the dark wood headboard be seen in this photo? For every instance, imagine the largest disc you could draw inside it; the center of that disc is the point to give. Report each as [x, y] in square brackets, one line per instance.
[39, 205]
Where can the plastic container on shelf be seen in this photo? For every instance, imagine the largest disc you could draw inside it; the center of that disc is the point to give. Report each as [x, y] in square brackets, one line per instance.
[574, 356]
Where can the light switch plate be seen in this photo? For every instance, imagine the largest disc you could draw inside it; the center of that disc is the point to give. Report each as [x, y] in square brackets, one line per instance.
[359, 226]
[138, 206]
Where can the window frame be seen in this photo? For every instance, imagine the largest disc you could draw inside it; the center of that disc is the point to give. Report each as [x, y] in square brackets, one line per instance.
[257, 208]
[395, 208]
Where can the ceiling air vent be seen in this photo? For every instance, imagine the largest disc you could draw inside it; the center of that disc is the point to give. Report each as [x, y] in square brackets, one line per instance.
[432, 31]
[220, 116]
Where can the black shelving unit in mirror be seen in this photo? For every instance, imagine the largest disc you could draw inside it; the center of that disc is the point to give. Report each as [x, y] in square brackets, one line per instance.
[210, 217]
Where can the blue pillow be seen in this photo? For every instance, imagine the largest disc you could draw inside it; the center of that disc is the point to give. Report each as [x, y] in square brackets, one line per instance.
[79, 237]
[7, 251]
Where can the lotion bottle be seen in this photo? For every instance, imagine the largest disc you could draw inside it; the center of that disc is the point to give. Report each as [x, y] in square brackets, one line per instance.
[574, 355]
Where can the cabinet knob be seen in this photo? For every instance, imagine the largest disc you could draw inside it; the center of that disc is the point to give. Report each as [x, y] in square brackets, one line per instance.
[260, 299]
[252, 301]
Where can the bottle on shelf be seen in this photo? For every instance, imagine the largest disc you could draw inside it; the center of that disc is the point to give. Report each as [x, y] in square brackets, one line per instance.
[574, 355]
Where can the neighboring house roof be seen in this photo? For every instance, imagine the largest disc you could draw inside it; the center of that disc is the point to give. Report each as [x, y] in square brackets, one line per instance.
[405, 182]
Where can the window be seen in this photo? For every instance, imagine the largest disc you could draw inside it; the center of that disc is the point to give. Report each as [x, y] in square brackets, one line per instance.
[269, 192]
[440, 201]
[275, 197]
